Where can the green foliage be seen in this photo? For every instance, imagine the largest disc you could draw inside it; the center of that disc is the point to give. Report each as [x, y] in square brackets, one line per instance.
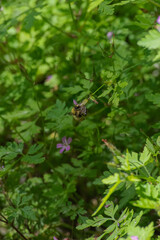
[151, 40]
[92, 178]
[32, 156]
[119, 227]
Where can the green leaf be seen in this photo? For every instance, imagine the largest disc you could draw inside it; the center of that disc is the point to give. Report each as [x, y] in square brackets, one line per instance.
[151, 40]
[34, 159]
[158, 141]
[29, 20]
[111, 179]
[11, 151]
[123, 2]
[74, 90]
[145, 155]
[28, 130]
[94, 4]
[28, 213]
[35, 148]
[97, 222]
[110, 210]
[111, 190]
[150, 146]
[57, 117]
[106, 9]
[142, 233]
[154, 98]
[144, 20]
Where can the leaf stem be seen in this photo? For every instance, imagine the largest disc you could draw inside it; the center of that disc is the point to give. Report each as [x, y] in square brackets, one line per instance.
[26, 75]
[19, 134]
[98, 88]
[17, 230]
[12, 225]
[155, 3]
[71, 11]
[52, 25]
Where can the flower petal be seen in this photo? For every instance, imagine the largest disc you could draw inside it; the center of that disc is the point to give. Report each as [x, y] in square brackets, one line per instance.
[64, 140]
[69, 140]
[54, 238]
[134, 238]
[68, 148]
[59, 145]
[75, 102]
[158, 20]
[109, 35]
[62, 150]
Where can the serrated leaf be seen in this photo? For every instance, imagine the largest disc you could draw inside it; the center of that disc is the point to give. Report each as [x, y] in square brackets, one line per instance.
[29, 20]
[11, 151]
[36, 159]
[158, 141]
[106, 9]
[151, 40]
[150, 146]
[154, 98]
[28, 213]
[111, 179]
[141, 232]
[74, 90]
[98, 221]
[105, 92]
[58, 118]
[35, 148]
[94, 4]
[28, 130]
[145, 155]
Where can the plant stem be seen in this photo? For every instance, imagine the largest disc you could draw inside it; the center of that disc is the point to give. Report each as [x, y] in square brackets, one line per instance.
[98, 88]
[2, 221]
[52, 25]
[26, 75]
[155, 3]
[17, 230]
[12, 225]
[74, 21]
[70, 35]
[19, 134]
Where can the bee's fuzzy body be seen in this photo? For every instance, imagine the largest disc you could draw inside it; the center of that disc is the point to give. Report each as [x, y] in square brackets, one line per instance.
[79, 111]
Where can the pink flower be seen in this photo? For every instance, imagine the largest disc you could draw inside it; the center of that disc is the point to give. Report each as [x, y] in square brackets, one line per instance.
[109, 35]
[75, 102]
[106, 206]
[54, 238]
[158, 20]
[134, 238]
[65, 144]
[48, 78]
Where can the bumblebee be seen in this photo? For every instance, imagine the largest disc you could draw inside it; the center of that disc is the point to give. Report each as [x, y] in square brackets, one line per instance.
[79, 111]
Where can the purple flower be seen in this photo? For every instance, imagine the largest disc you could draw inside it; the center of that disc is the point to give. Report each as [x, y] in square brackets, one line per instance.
[158, 20]
[54, 238]
[134, 238]
[106, 206]
[48, 78]
[2, 167]
[65, 144]
[75, 102]
[109, 35]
